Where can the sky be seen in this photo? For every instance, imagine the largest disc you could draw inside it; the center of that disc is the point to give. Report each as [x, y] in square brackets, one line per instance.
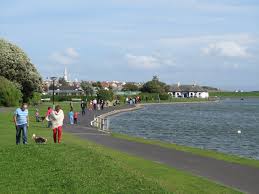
[214, 43]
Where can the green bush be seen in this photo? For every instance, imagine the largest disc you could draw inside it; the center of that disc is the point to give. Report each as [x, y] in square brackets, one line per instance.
[105, 95]
[36, 98]
[148, 96]
[10, 95]
[164, 96]
[121, 98]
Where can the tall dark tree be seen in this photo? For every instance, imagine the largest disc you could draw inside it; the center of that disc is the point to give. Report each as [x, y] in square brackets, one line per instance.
[130, 87]
[16, 66]
[105, 95]
[87, 87]
[155, 86]
[98, 85]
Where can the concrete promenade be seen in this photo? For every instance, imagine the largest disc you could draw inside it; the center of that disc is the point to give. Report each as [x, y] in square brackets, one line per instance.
[243, 178]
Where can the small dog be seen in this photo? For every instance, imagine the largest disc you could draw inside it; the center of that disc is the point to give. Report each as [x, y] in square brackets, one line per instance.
[39, 140]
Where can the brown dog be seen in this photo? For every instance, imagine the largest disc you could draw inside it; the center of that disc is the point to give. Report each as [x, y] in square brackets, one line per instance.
[39, 140]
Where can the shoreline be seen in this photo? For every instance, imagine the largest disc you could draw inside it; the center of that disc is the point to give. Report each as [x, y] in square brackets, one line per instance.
[115, 112]
[142, 105]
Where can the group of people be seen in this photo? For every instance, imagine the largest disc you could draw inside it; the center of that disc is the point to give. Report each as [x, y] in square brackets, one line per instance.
[73, 116]
[135, 100]
[54, 117]
[93, 105]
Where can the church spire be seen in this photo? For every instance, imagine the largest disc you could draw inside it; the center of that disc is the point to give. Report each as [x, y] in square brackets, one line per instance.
[65, 74]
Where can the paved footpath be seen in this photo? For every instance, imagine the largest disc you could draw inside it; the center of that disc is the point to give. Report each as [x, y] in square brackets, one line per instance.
[243, 178]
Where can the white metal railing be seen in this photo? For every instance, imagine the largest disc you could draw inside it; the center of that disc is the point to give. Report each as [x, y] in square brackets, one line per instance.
[101, 123]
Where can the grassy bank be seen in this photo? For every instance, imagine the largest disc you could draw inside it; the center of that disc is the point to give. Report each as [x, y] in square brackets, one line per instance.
[201, 152]
[235, 94]
[78, 166]
[172, 100]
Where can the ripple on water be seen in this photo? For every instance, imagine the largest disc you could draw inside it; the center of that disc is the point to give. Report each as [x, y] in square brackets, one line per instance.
[206, 125]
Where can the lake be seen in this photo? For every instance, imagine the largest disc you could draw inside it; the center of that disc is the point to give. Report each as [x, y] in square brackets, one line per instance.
[212, 125]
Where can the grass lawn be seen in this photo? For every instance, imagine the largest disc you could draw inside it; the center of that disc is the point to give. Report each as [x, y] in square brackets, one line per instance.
[78, 166]
[201, 152]
[235, 94]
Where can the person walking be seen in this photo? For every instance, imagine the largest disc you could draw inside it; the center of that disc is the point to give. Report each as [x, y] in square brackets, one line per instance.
[71, 104]
[71, 116]
[91, 105]
[57, 118]
[83, 107]
[95, 104]
[102, 104]
[75, 117]
[21, 121]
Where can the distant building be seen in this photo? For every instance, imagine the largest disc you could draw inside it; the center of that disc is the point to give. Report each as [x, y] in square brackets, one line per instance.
[188, 91]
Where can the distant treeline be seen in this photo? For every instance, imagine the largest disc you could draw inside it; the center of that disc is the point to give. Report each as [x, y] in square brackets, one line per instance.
[235, 94]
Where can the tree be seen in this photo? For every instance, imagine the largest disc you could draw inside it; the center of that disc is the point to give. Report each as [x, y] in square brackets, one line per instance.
[10, 95]
[63, 82]
[105, 95]
[130, 87]
[16, 66]
[155, 86]
[87, 87]
[36, 98]
[98, 85]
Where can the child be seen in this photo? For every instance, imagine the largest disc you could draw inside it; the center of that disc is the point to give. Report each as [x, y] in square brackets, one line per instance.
[91, 105]
[71, 117]
[47, 117]
[75, 117]
[37, 115]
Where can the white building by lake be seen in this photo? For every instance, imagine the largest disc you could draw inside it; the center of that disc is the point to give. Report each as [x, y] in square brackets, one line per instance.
[188, 91]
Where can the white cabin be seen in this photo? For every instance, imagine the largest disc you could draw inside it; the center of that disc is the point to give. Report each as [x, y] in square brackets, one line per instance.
[188, 91]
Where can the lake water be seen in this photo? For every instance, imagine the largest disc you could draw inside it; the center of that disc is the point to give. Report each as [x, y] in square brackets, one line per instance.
[213, 125]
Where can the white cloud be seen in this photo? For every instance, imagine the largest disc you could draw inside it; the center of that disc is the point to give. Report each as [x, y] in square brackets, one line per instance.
[66, 57]
[226, 49]
[230, 45]
[148, 62]
[71, 52]
[142, 62]
[224, 7]
[192, 40]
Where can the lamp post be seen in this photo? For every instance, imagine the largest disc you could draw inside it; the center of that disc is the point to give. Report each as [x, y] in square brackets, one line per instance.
[53, 89]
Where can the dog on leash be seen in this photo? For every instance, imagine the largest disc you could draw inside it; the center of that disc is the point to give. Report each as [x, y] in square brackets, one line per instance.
[39, 140]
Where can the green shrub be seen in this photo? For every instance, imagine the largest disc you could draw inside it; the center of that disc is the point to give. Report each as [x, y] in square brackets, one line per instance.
[36, 98]
[164, 96]
[10, 95]
[148, 96]
[105, 95]
[121, 98]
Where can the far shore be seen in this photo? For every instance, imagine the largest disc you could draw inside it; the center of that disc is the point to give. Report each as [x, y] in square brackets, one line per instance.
[141, 105]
